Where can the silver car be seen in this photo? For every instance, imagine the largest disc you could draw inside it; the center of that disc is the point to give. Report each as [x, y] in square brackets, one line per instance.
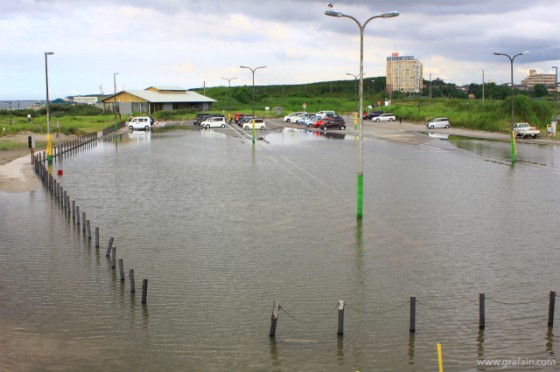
[438, 123]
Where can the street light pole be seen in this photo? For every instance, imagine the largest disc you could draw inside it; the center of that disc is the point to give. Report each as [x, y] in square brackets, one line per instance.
[115, 97]
[229, 95]
[331, 13]
[355, 98]
[49, 144]
[511, 59]
[557, 89]
[253, 72]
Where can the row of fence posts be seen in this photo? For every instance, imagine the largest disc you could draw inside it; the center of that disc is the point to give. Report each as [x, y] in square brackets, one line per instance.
[71, 210]
[412, 322]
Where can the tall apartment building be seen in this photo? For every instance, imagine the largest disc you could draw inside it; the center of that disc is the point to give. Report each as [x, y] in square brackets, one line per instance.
[404, 74]
[548, 80]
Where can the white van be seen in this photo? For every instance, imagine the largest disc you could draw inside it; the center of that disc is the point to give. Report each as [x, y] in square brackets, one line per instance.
[323, 114]
[140, 123]
[293, 116]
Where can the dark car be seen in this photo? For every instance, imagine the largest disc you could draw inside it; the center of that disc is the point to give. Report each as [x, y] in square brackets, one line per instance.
[244, 119]
[332, 123]
[373, 114]
[201, 117]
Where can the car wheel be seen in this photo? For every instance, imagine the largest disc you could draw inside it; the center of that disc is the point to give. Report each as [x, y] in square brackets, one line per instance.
[131, 128]
[342, 127]
[261, 128]
[245, 127]
[223, 125]
[207, 126]
[390, 119]
[431, 127]
[323, 127]
[147, 128]
[447, 126]
[377, 120]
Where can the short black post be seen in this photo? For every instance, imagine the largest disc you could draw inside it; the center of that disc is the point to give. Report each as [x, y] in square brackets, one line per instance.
[113, 257]
[97, 237]
[340, 331]
[551, 303]
[73, 210]
[84, 222]
[481, 311]
[144, 290]
[109, 247]
[412, 327]
[131, 280]
[121, 269]
[78, 215]
[88, 230]
[273, 320]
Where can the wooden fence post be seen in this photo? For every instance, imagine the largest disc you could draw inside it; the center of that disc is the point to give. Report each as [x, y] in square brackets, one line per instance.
[144, 291]
[131, 279]
[551, 303]
[121, 269]
[273, 320]
[97, 237]
[109, 247]
[340, 331]
[481, 311]
[412, 327]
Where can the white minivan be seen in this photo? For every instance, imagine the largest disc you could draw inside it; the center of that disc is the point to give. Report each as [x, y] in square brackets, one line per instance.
[438, 123]
[324, 114]
[293, 116]
[140, 123]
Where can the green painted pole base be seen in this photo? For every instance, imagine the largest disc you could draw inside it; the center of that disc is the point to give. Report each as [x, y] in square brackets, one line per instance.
[49, 159]
[360, 210]
[513, 149]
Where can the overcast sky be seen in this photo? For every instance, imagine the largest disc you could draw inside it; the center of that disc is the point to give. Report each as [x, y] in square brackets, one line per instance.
[189, 43]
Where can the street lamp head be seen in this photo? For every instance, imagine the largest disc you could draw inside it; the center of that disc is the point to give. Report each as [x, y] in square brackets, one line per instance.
[498, 53]
[49, 53]
[390, 14]
[332, 13]
[525, 52]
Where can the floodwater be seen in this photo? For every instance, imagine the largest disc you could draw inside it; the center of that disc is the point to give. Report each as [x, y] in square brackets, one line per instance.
[223, 230]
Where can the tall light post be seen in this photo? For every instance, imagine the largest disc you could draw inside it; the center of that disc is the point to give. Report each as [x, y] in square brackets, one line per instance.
[10, 110]
[253, 72]
[332, 13]
[115, 97]
[511, 59]
[355, 89]
[49, 143]
[229, 95]
[557, 89]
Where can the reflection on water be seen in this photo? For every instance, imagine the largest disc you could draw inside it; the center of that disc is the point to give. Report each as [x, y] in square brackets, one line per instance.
[223, 229]
[543, 155]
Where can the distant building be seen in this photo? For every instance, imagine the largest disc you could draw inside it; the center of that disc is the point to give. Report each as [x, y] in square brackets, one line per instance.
[154, 99]
[85, 100]
[404, 74]
[548, 80]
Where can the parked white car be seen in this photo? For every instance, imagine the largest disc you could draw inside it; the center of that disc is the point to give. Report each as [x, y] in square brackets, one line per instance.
[140, 123]
[438, 123]
[214, 122]
[293, 116]
[385, 117]
[259, 124]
